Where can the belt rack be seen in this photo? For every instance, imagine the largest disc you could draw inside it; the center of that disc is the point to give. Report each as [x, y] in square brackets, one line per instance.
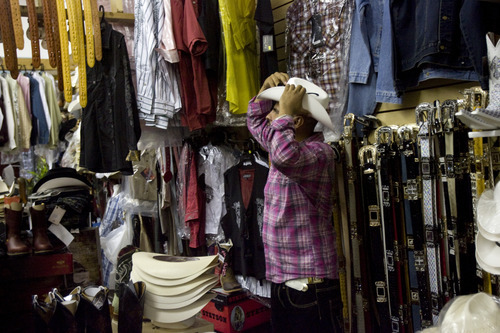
[417, 185]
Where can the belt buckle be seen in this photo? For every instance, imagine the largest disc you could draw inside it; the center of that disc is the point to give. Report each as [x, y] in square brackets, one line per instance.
[314, 280]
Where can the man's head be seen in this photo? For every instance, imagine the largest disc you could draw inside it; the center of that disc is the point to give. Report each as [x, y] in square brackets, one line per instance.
[314, 102]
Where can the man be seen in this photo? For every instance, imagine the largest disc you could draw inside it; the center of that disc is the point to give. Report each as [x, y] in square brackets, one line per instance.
[298, 233]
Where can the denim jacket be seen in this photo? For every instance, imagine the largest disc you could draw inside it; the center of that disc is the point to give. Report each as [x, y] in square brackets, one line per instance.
[438, 38]
[371, 72]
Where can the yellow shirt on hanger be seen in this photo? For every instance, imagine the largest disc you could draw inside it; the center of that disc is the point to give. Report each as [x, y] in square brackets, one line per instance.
[239, 30]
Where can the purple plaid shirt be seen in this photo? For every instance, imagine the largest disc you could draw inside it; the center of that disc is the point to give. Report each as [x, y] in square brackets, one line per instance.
[298, 234]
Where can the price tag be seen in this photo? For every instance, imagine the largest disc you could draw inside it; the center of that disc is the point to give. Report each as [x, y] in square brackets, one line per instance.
[267, 43]
[57, 215]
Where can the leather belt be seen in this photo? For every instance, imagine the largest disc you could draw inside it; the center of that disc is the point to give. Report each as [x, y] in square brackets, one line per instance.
[354, 220]
[49, 31]
[368, 160]
[385, 164]
[9, 44]
[409, 172]
[57, 43]
[33, 23]
[15, 11]
[82, 65]
[343, 252]
[63, 39]
[424, 116]
[96, 25]
[89, 36]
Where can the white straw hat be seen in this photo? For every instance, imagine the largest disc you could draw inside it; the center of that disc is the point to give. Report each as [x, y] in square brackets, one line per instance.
[172, 267]
[173, 302]
[471, 313]
[315, 100]
[179, 314]
[171, 282]
[486, 267]
[488, 214]
[488, 251]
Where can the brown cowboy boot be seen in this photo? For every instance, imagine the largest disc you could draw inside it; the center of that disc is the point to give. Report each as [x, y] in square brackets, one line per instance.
[13, 219]
[41, 242]
[226, 277]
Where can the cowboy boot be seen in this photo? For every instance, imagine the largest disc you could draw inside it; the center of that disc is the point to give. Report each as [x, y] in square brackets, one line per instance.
[13, 219]
[226, 276]
[492, 112]
[41, 242]
[93, 314]
[131, 307]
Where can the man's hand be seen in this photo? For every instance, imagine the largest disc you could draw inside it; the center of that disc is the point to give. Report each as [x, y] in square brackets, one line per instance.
[274, 80]
[291, 100]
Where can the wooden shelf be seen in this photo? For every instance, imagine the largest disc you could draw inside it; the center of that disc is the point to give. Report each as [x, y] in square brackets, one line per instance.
[110, 16]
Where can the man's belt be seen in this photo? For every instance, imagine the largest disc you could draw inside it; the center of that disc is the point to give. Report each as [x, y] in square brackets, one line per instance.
[49, 31]
[385, 163]
[63, 39]
[355, 232]
[96, 26]
[15, 12]
[33, 23]
[9, 44]
[412, 210]
[368, 160]
[89, 35]
[78, 46]
[425, 117]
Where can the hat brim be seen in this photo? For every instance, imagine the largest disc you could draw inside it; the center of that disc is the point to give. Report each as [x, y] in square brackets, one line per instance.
[179, 314]
[309, 103]
[172, 267]
[488, 251]
[488, 214]
[60, 178]
[169, 303]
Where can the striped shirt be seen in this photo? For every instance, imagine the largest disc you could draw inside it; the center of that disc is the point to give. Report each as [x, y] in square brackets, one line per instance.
[298, 234]
[158, 94]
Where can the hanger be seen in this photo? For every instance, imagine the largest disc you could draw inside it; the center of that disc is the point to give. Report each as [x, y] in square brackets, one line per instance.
[104, 23]
[3, 69]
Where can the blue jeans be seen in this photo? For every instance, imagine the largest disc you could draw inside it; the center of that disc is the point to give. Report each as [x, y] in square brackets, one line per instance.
[319, 309]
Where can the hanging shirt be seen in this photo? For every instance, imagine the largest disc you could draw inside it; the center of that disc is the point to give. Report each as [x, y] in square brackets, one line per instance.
[55, 113]
[110, 123]
[14, 98]
[40, 130]
[191, 43]
[158, 95]
[43, 97]
[212, 163]
[24, 125]
[167, 47]
[24, 82]
[268, 54]
[9, 114]
[320, 57]
[242, 78]
[298, 234]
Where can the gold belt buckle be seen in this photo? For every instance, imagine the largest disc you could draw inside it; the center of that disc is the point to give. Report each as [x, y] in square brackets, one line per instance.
[314, 280]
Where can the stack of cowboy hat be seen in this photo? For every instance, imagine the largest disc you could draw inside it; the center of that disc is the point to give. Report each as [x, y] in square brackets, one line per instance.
[488, 236]
[470, 313]
[177, 288]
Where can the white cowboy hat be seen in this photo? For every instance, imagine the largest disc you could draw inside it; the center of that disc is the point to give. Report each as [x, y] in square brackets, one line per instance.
[488, 251]
[486, 267]
[171, 290]
[176, 315]
[315, 100]
[471, 313]
[172, 302]
[171, 267]
[171, 282]
[488, 214]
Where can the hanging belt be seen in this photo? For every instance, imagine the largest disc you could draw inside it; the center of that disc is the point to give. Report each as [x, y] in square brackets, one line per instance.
[63, 39]
[96, 26]
[419, 290]
[9, 44]
[89, 35]
[425, 118]
[57, 43]
[384, 139]
[49, 34]
[15, 12]
[33, 23]
[354, 220]
[368, 159]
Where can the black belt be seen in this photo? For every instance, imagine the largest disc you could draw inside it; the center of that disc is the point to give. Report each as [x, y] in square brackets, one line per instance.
[367, 156]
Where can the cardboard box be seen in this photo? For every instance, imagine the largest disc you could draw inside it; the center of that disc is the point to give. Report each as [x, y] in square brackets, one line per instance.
[235, 312]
